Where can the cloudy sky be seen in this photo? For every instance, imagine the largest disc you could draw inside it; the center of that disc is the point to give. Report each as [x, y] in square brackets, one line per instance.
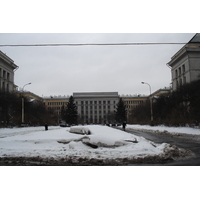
[62, 70]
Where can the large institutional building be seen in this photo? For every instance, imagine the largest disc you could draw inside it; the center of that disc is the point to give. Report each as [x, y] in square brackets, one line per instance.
[7, 68]
[185, 64]
[96, 107]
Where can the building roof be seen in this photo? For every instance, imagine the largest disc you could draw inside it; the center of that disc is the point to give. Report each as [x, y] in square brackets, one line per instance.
[192, 45]
[195, 39]
[94, 94]
[8, 60]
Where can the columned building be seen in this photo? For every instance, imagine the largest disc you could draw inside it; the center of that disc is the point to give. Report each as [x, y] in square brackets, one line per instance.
[96, 107]
[185, 64]
[7, 68]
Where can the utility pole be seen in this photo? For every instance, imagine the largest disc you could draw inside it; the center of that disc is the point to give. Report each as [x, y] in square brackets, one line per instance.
[23, 103]
[150, 97]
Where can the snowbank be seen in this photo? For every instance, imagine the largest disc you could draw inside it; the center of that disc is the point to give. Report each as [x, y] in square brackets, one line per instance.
[165, 129]
[103, 144]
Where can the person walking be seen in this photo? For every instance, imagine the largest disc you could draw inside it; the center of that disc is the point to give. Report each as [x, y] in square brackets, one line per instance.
[46, 127]
[124, 125]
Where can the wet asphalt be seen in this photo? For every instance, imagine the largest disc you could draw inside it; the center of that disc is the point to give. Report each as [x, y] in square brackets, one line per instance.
[185, 143]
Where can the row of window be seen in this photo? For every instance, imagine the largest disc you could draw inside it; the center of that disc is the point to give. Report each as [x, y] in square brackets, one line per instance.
[4, 75]
[95, 112]
[95, 102]
[131, 107]
[133, 102]
[56, 103]
[180, 76]
[180, 71]
[4, 86]
[95, 107]
[95, 117]
[180, 81]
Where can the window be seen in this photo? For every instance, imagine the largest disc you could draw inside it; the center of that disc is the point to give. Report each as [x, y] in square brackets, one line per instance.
[4, 74]
[183, 68]
[8, 76]
[176, 73]
[179, 71]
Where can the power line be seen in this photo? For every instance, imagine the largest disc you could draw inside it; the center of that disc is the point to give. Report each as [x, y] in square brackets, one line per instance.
[89, 44]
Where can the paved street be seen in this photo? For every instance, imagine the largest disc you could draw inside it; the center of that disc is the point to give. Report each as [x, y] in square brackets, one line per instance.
[186, 143]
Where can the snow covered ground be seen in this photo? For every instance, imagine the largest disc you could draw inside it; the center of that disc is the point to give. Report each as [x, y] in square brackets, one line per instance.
[165, 129]
[95, 142]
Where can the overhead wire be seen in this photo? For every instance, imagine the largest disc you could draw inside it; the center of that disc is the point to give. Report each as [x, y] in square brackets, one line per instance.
[90, 44]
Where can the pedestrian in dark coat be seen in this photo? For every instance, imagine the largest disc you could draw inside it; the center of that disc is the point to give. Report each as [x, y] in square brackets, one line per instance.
[46, 127]
[124, 125]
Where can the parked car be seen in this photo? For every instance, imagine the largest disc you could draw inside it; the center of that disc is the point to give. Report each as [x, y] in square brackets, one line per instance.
[64, 124]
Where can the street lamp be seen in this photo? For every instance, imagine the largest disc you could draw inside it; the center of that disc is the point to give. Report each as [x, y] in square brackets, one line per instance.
[150, 102]
[23, 103]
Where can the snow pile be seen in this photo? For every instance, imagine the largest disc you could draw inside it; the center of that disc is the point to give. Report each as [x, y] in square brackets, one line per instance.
[165, 129]
[103, 144]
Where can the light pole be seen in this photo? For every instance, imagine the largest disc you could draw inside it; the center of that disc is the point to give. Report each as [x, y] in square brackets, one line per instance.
[150, 102]
[23, 103]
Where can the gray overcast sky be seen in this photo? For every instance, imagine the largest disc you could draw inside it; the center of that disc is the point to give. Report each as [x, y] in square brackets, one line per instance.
[64, 70]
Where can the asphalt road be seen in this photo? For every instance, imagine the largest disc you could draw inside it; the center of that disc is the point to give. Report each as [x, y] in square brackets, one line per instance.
[190, 143]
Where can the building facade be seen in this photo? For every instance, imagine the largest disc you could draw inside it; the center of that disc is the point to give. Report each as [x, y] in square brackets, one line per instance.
[7, 68]
[96, 107]
[132, 102]
[185, 64]
[55, 103]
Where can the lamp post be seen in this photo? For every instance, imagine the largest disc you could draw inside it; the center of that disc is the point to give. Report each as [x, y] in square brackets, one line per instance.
[150, 102]
[23, 103]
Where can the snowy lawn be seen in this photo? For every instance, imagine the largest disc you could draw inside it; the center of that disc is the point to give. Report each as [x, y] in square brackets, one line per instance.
[89, 142]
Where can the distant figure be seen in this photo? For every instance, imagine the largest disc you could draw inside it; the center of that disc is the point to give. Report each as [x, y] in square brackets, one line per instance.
[124, 125]
[46, 127]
